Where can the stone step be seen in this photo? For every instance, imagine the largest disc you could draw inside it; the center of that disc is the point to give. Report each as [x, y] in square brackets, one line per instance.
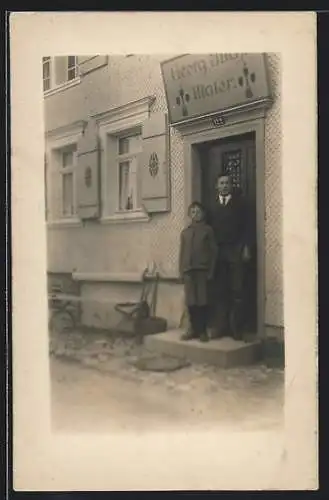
[224, 352]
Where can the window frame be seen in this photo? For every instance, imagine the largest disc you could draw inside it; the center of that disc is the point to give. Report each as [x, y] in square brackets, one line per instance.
[120, 122]
[55, 88]
[67, 170]
[51, 69]
[75, 67]
[132, 158]
[56, 141]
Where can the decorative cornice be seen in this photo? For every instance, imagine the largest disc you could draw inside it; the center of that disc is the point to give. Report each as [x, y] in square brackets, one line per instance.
[74, 128]
[125, 111]
[235, 113]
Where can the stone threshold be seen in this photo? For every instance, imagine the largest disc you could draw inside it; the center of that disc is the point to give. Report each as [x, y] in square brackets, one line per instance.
[224, 352]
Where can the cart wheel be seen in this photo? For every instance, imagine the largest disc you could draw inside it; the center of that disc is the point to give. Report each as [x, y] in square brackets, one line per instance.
[61, 321]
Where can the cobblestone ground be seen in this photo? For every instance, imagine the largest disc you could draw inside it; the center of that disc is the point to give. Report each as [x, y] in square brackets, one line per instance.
[103, 390]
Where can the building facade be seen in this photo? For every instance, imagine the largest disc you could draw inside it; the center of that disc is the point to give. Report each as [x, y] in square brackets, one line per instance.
[125, 152]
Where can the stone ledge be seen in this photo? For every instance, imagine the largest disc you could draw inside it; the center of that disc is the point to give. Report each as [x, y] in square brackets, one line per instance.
[122, 277]
[109, 277]
[224, 352]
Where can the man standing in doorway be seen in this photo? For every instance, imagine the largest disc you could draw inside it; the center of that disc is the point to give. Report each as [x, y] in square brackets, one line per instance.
[231, 225]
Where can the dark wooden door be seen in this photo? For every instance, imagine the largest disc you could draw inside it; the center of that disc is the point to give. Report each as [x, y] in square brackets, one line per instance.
[235, 157]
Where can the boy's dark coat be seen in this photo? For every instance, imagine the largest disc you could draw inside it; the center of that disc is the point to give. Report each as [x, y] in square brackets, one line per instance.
[197, 260]
[198, 249]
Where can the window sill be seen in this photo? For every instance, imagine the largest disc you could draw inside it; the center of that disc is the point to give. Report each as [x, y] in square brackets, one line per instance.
[64, 223]
[63, 86]
[121, 217]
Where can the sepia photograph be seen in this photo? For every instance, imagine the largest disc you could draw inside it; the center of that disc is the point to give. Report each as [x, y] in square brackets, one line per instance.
[164, 243]
[164, 240]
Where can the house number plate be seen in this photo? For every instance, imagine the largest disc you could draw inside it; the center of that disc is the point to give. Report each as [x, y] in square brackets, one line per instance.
[218, 121]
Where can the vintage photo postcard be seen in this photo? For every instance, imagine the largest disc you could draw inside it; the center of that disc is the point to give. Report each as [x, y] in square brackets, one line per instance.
[164, 251]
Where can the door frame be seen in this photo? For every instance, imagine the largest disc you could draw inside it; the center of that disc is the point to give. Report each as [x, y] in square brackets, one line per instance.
[201, 131]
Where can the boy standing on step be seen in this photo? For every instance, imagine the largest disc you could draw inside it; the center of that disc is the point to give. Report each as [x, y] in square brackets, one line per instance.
[197, 259]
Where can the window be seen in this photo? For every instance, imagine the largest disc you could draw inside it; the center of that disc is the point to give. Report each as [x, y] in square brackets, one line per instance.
[61, 162]
[68, 165]
[232, 166]
[120, 134]
[127, 164]
[59, 72]
[61, 204]
[72, 67]
[46, 71]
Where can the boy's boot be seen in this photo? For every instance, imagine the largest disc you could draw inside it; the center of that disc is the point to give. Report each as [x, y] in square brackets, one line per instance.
[188, 335]
[192, 327]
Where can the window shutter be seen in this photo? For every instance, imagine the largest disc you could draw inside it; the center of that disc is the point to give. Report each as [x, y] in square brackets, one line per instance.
[60, 69]
[154, 164]
[88, 188]
[82, 59]
[90, 63]
[54, 189]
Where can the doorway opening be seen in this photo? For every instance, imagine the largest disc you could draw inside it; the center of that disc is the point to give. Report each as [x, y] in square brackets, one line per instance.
[234, 156]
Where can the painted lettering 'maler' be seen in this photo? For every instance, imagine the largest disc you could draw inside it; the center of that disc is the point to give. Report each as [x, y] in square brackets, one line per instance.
[202, 91]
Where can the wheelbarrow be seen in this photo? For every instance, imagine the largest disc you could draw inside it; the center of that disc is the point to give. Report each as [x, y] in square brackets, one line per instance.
[139, 318]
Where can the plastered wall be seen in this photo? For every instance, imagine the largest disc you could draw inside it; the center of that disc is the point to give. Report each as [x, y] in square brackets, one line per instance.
[273, 199]
[129, 247]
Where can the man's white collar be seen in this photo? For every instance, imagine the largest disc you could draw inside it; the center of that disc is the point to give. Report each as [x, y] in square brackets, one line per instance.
[227, 198]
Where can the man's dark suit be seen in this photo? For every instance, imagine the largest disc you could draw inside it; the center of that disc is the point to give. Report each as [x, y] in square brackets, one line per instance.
[231, 225]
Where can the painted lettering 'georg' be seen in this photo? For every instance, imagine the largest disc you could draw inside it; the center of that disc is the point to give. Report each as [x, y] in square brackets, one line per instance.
[179, 72]
[202, 65]
[216, 59]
